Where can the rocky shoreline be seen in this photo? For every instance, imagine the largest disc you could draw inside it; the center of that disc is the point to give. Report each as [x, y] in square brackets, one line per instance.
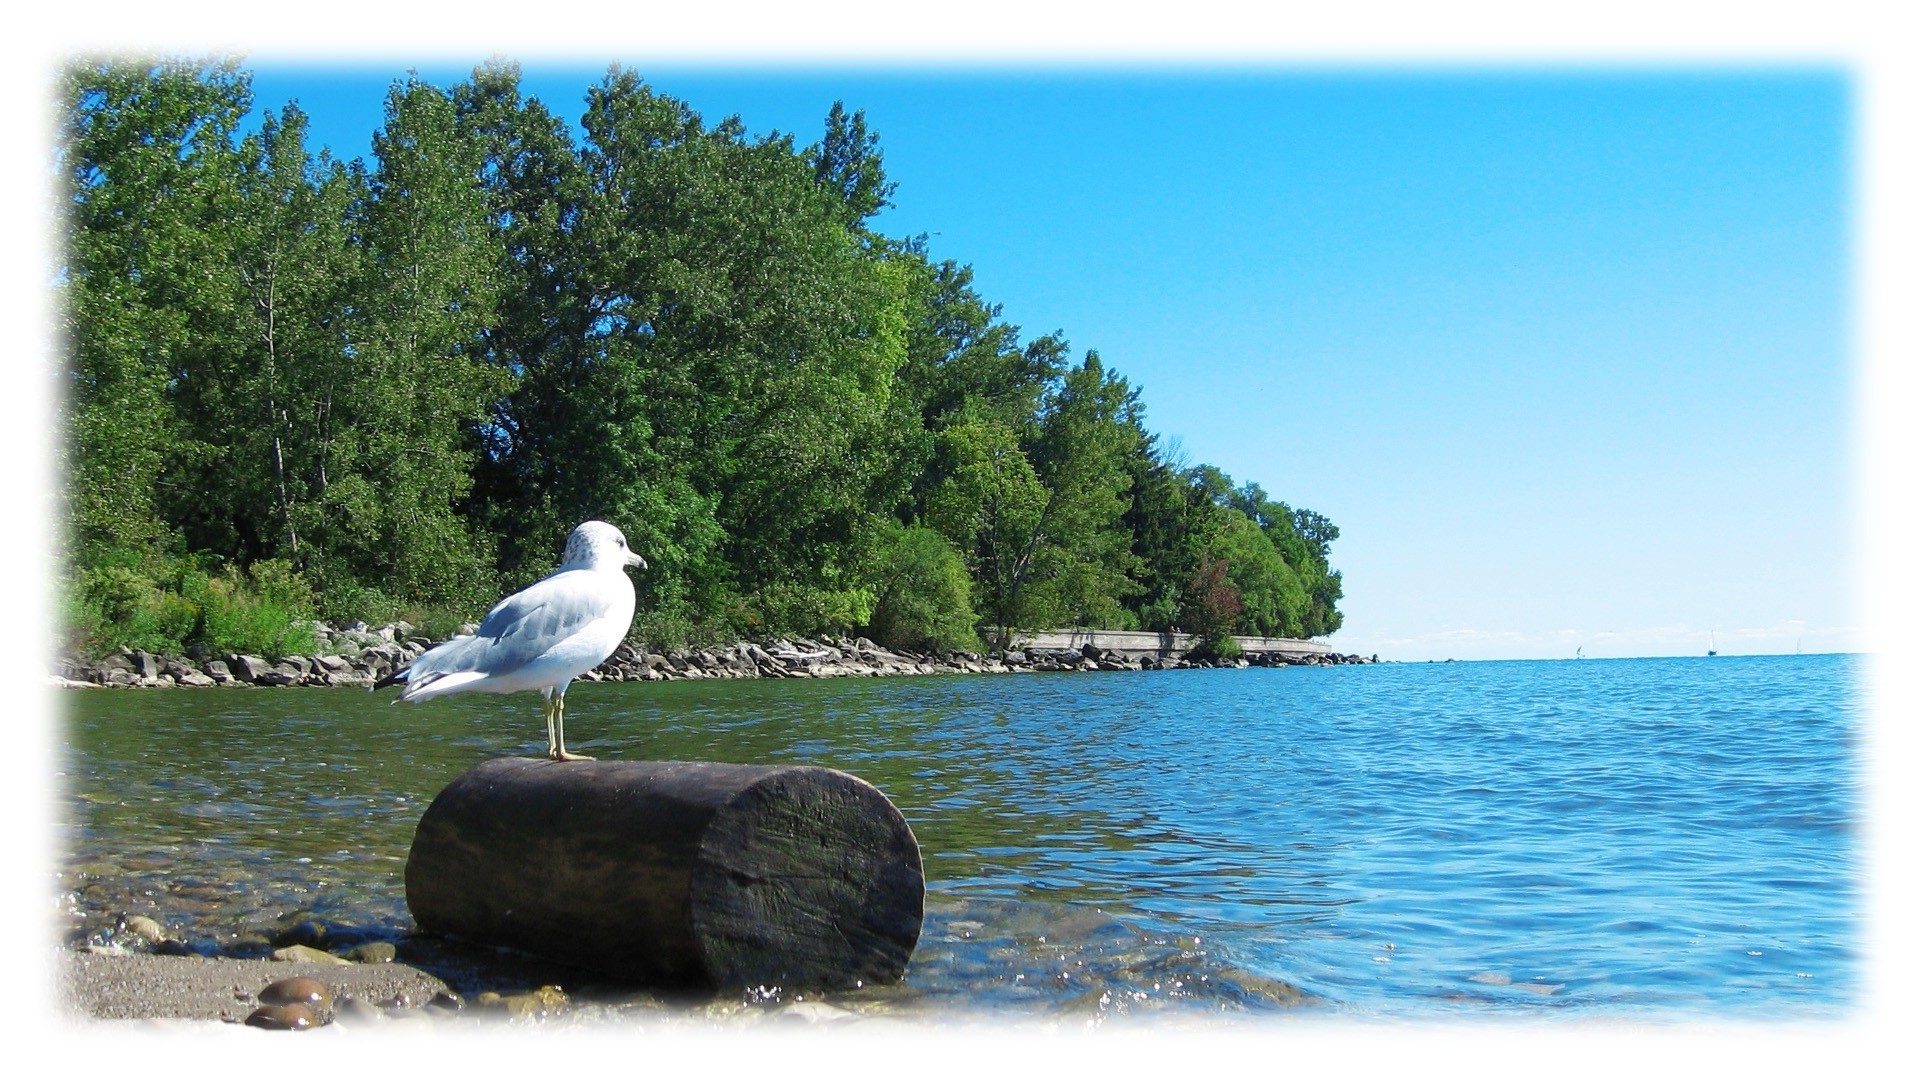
[360, 656]
[1031, 962]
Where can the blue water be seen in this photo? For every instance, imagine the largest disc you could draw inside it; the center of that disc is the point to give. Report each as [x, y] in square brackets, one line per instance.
[1674, 833]
[1623, 838]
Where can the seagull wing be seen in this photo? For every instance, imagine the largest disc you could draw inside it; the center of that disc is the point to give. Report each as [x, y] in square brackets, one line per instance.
[518, 631]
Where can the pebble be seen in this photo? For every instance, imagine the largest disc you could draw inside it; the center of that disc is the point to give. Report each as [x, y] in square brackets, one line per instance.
[299, 990]
[814, 1012]
[282, 1018]
[373, 952]
[307, 954]
[145, 928]
[536, 1005]
[356, 1012]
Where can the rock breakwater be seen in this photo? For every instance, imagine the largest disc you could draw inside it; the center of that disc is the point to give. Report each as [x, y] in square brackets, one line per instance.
[359, 655]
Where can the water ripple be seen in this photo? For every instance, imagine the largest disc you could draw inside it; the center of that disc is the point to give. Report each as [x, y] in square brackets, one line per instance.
[1404, 839]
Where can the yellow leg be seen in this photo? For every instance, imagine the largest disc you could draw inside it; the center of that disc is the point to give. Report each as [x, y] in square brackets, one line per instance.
[553, 745]
[558, 750]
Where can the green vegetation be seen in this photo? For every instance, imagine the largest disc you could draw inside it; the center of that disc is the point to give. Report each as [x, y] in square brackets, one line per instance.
[301, 388]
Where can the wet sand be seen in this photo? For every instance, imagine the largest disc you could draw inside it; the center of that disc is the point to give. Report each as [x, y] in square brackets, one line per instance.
[137, 986]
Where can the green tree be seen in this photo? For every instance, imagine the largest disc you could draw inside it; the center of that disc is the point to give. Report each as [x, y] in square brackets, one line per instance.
[922, 590]
[256, 397]
[419, 386]
[143, 153]
[1087, 432]
[756, 335]
[847, 161]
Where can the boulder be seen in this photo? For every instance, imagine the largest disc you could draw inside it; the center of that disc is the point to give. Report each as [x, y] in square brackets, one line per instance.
[248, 668]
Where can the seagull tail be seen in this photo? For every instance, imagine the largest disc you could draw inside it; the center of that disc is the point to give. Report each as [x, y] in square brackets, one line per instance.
[434, 684]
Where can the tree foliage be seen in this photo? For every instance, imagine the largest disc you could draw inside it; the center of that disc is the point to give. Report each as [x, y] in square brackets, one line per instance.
[400, 382]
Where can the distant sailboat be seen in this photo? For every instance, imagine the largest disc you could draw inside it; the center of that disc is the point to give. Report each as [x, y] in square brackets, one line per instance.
[1713, 644]
[1577, 652]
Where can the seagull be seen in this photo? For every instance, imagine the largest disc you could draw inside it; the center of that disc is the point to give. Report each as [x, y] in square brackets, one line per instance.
[542, 637]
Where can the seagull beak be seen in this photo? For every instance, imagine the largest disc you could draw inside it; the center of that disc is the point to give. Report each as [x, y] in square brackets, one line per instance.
[634, 559]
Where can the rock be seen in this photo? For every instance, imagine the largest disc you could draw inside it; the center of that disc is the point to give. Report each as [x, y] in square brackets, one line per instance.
[308, 954]
[299, 990]
[194, 678]
[356, 1012]
[145, 928]
[373, 952]
[538, 1005]
[1272, 991]
[282, 1018]
[281, 674]
[145, 664]
[216, 670]
[301, 928]
[814, 1012]
[248, 668]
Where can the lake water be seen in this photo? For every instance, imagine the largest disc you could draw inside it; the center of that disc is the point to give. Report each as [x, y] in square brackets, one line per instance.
[1629, 839]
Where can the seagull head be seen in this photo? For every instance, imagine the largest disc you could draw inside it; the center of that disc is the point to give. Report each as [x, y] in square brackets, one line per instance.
[596, 545]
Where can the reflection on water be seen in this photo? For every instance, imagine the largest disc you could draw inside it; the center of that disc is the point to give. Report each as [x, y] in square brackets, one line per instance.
[1400, 839]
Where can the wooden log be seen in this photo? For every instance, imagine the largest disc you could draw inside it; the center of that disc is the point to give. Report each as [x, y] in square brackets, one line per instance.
[674, 872]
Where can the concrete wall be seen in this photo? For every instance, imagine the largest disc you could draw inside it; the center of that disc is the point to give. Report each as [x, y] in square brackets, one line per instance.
[1135, 644]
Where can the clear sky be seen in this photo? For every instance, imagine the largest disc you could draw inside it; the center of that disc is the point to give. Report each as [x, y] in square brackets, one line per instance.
[1563, 351]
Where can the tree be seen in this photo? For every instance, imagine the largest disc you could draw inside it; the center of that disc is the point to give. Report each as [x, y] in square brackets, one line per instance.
[1087, 432]
[405, 381]
[848, 163]
[922, 593]
[1210, 611]
[256, 397]
[992, 506]
[144, 150]
[419, 387]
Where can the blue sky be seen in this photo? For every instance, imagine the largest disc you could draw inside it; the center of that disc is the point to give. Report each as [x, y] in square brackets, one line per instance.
[1563, 351]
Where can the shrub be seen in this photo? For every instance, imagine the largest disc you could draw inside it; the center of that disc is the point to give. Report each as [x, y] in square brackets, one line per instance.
[922, 591]
[1211, 612]
[168, 605]
[787, 608]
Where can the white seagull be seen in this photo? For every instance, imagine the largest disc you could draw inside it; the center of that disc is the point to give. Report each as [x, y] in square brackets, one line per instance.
[542, 637]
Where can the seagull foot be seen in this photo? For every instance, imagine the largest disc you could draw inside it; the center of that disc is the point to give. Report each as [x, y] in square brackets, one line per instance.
[568, 755]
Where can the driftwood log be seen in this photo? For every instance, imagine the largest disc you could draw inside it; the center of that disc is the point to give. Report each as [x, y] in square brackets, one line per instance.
[674, 872]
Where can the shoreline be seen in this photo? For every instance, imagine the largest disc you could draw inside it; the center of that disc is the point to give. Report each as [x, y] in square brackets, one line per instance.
[360, 657]
[1029, 962]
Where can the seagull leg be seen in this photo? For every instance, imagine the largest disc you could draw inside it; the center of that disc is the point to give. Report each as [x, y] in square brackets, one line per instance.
[546, 706]
[559, 749]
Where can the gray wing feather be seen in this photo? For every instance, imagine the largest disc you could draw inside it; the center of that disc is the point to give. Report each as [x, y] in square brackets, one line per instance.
[521, 628]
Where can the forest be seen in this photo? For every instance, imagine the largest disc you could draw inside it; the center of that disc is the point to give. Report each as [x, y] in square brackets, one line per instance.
[300, 388]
